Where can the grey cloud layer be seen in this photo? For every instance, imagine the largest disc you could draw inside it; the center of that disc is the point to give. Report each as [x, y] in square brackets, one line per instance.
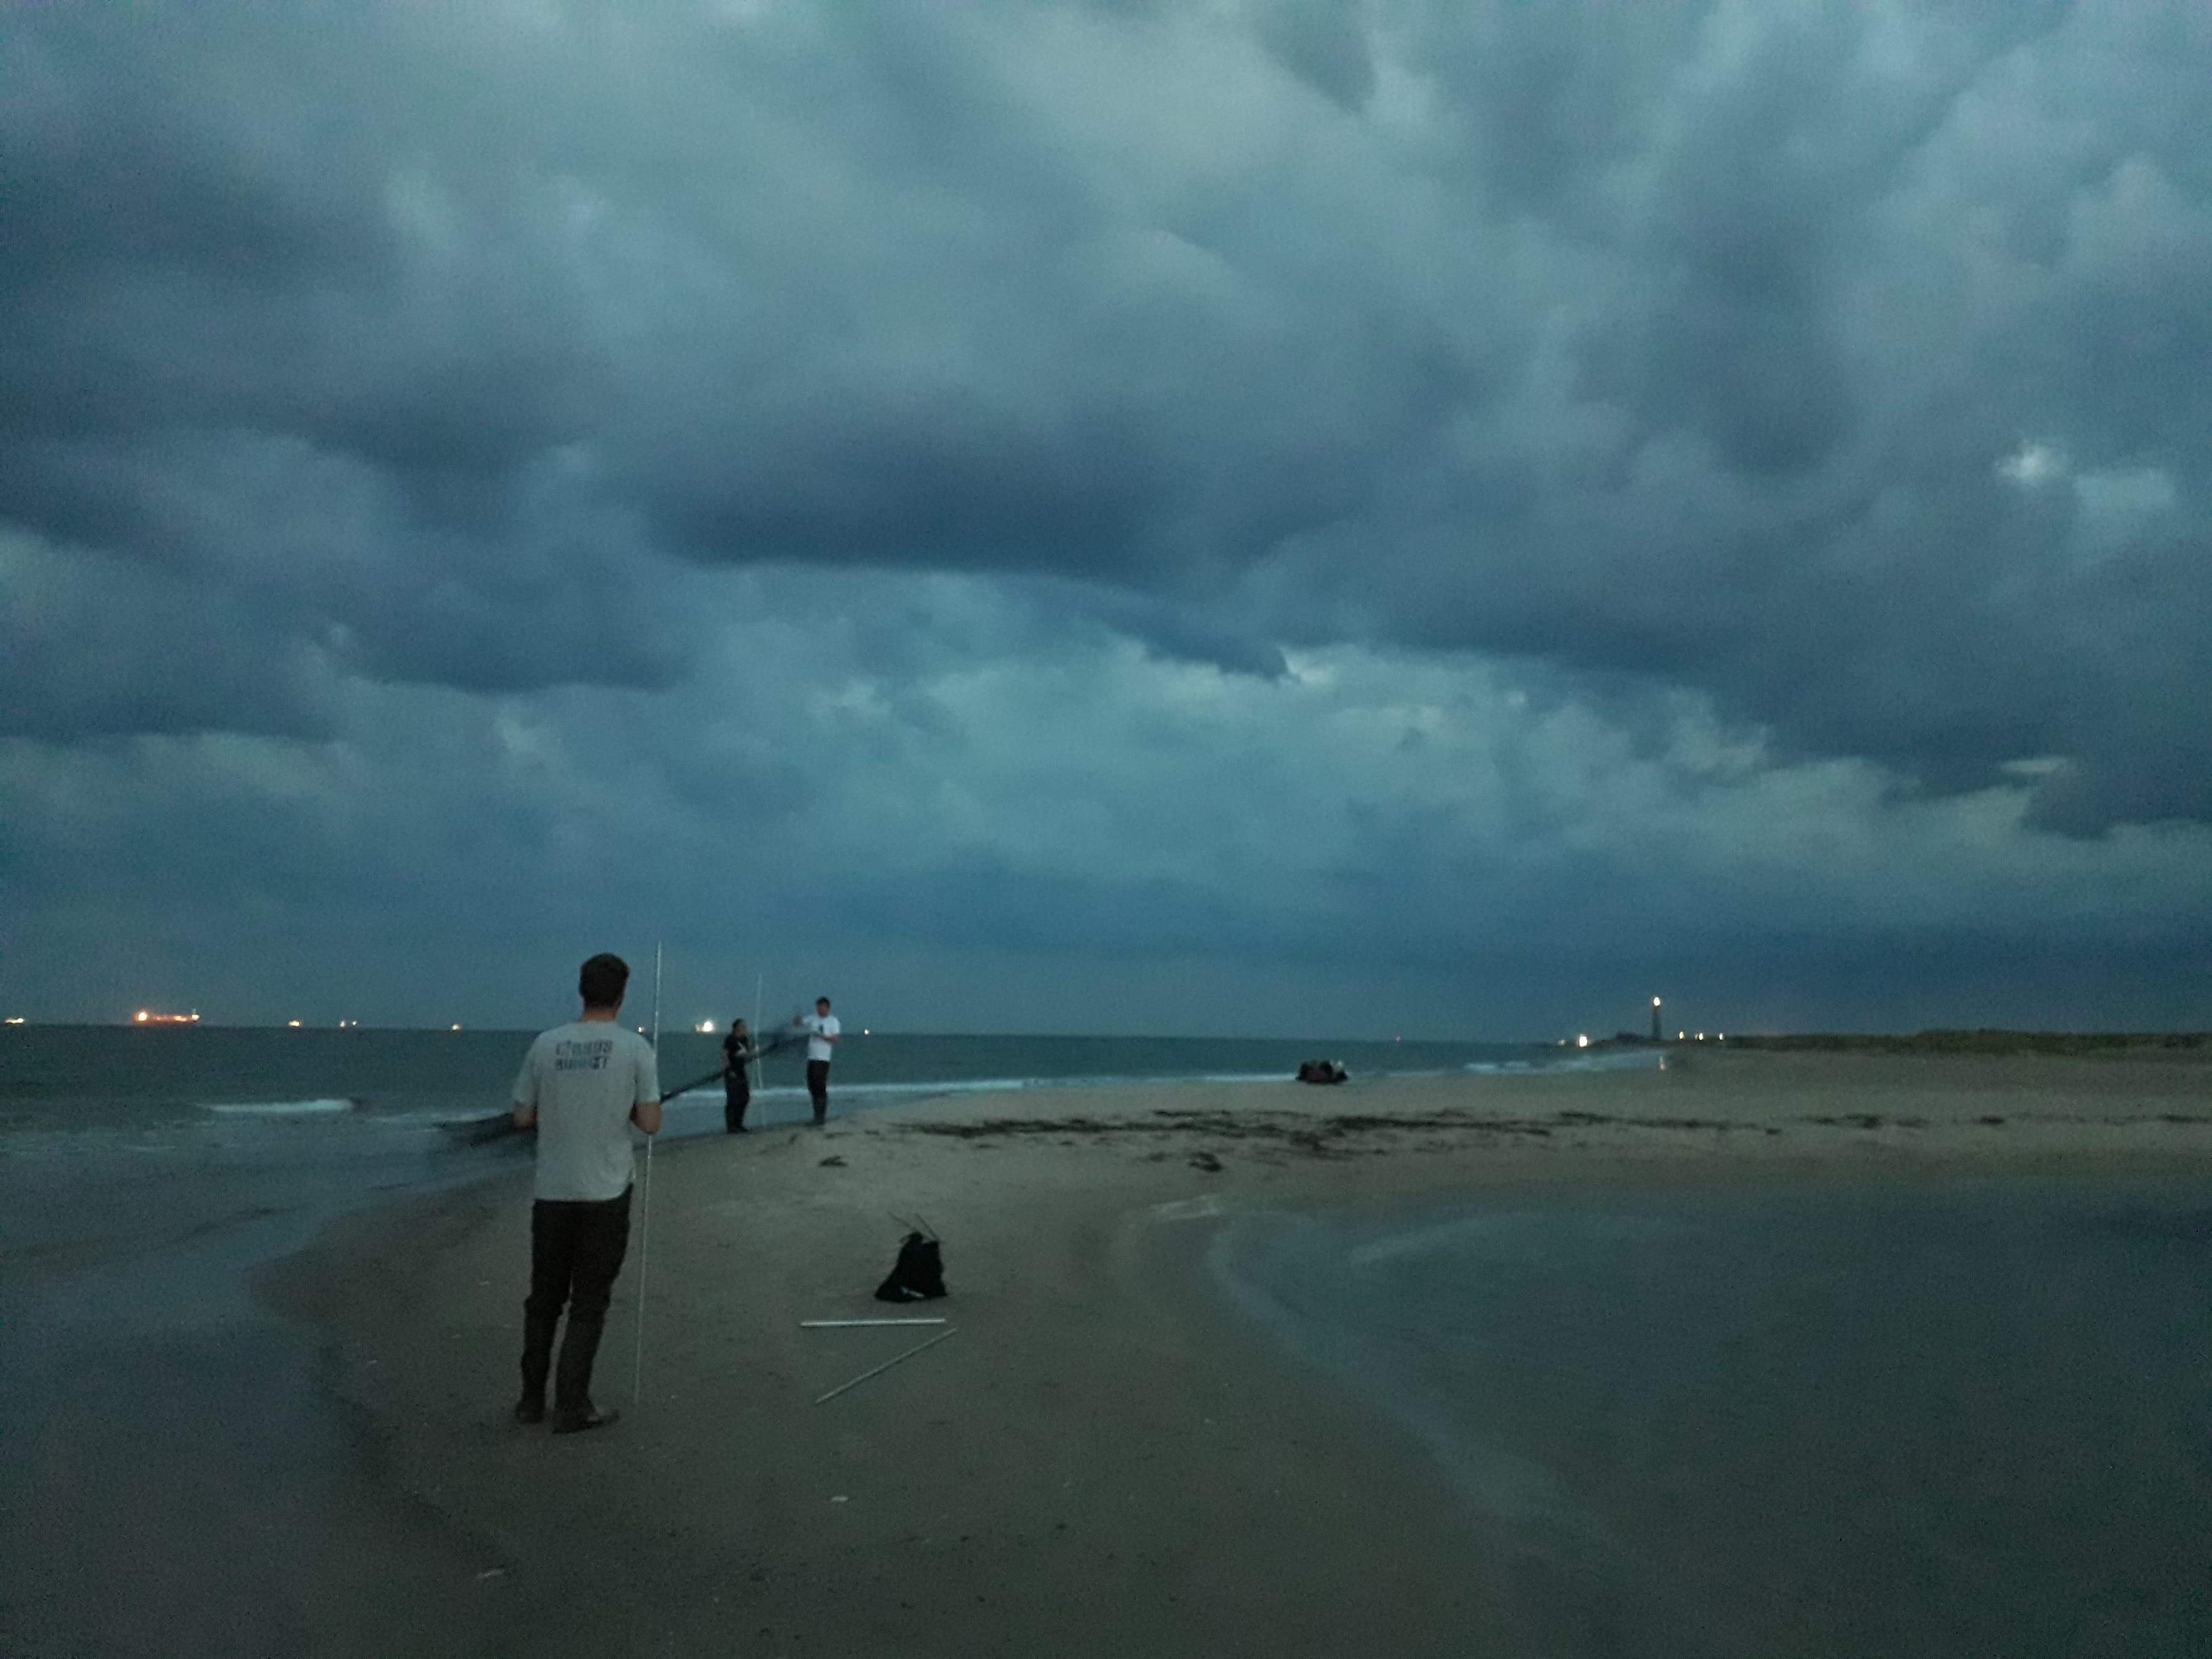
[1126, 842]
[1695, 342]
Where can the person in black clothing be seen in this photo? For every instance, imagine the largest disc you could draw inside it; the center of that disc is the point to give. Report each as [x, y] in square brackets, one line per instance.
[738, 1053]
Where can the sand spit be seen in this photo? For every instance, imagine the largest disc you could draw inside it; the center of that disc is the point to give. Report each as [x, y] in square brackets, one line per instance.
[1104, 1461]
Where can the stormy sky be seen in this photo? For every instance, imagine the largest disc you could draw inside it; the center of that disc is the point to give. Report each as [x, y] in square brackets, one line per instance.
[1242, 516]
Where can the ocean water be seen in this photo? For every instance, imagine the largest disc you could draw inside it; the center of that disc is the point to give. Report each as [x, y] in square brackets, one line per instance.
[100, 1078]
[1968, 1418]
[168, 1472]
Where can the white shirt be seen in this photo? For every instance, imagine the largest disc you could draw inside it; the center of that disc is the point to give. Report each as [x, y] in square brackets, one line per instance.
[583, 1079]
[822, 1027]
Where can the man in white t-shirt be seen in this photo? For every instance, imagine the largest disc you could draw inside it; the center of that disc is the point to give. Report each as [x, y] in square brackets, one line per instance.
[822, 1033]
[581, 1086]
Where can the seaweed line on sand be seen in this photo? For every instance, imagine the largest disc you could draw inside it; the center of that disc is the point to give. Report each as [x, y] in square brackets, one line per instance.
[1320, 1134]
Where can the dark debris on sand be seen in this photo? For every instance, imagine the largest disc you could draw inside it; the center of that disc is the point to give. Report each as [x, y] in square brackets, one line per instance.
[1342, 1134]
[1336, 1136]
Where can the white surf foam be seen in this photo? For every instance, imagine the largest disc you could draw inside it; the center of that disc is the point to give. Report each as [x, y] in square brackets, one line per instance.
[276, 1107]
[1609, 1059]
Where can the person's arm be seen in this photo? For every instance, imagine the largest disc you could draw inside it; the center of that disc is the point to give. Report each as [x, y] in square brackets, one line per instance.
[522, 1100]
[646, 1113]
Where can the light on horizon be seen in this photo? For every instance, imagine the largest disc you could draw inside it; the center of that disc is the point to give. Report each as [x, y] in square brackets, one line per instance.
[292, 1024]
[14, 1019]
[706, 1027]
[1583, 1041]
[456, 1026]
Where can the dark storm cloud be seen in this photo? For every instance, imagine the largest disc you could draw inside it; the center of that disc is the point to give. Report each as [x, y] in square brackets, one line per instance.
[1857, 279]
[1104, 830]
[1216, 636]
[1713, 346]
[1323, 43]
[99, 648]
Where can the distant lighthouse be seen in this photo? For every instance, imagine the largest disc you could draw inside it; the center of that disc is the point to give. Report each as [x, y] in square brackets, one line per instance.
[1655, 1019]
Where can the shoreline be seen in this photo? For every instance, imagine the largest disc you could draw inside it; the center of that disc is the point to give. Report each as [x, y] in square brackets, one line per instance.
[1107, 1456]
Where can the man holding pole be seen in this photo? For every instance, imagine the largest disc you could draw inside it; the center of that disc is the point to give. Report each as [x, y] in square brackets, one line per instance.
[738, 1053]
[822, 1034]
[582, 1086]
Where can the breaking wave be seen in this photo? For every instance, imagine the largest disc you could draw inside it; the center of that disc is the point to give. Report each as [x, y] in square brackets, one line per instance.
[325, 1108]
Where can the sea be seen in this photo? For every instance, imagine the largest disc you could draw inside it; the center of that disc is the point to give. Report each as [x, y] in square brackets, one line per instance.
[168, 1461]
[1873, 1418]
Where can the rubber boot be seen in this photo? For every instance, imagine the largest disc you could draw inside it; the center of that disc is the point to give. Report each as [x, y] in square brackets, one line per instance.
[572, 1383]
[537, 1331]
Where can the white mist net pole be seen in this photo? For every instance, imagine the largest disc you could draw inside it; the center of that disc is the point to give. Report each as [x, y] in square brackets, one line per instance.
[645, 1223]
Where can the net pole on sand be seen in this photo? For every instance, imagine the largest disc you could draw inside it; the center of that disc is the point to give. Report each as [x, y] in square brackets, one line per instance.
[645, 1221]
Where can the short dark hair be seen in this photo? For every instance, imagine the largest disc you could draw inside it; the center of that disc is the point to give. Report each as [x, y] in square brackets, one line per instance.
[602, 981]
[824, 1001]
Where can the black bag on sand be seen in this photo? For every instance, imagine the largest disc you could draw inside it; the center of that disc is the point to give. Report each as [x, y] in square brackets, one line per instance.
[918, 1275]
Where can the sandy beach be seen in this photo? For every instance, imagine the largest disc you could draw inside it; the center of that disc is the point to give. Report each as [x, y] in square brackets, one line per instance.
[1104, 1459]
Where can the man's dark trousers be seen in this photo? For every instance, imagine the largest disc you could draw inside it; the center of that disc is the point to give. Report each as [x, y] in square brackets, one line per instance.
[737, 1095]
[817, 1084]
[576, 1249]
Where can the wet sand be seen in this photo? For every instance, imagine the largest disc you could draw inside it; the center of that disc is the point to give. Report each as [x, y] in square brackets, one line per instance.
[1103, 1460]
